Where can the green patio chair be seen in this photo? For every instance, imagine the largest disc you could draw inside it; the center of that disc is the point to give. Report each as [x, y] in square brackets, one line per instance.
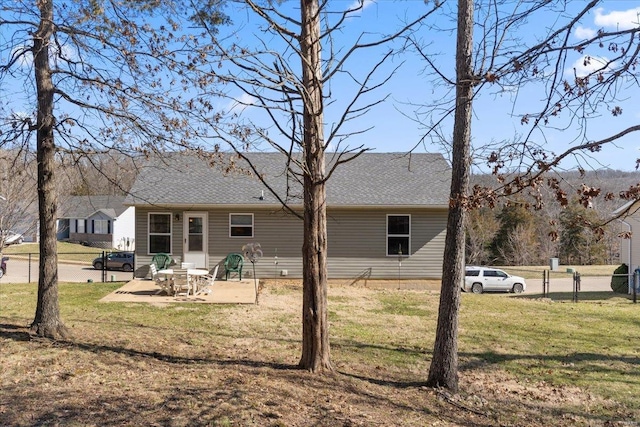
[161, 261]
[233, 263]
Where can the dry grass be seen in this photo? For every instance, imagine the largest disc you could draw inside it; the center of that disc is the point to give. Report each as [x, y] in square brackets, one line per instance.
[208, 365]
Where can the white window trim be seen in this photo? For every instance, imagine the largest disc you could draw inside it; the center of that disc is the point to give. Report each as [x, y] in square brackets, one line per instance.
[396, 235]
[149, 234]
[253, 225]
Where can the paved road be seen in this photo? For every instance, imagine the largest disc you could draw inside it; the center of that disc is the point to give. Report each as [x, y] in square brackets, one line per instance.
[18, 271]
[565, 284]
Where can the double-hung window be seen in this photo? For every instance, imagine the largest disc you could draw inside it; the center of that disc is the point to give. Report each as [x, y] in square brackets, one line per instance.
[240, 225]
[398, 235]
[159, 233]
[100, 226]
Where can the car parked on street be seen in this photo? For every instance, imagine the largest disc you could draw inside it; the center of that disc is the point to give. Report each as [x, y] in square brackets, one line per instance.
[3, 266]
[115, 261]
[485, 279]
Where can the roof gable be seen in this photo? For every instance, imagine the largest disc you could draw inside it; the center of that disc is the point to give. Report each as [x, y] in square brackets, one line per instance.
[372, 179]
[87, 206]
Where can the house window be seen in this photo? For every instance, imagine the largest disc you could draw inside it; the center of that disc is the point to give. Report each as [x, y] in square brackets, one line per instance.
[159, 233]
[79, 225]
[240, 225]
[398, 234]
[101, 226]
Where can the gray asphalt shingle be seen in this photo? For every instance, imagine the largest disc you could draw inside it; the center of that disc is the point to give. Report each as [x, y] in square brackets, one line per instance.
[372, 179]
[85, 206]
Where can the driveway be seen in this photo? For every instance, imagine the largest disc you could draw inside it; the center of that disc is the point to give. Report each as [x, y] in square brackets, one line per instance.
[20, 271]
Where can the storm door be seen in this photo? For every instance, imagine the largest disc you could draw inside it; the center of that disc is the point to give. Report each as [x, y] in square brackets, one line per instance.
[195, 238]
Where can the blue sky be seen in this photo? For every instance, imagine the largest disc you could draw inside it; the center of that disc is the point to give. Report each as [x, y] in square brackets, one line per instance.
[496, 110]
[392, 130]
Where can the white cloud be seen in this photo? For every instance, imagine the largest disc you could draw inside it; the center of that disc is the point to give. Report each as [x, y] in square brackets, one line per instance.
[618, 19]
[26, 58]
[586, 65]
[365, 4]
[239, 104]
[583, 33]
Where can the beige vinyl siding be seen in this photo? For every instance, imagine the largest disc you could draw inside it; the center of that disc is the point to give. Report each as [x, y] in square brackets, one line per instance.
[273, 230]
[356, 241]
[357, 244]
[633, 243]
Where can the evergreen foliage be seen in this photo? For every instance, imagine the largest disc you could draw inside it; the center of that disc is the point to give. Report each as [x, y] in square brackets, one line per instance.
[620, 283]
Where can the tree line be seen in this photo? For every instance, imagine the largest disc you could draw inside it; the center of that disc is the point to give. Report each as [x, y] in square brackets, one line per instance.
[513, 233]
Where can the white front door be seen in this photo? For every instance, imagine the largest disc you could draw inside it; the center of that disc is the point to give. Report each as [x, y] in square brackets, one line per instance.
[195, 238]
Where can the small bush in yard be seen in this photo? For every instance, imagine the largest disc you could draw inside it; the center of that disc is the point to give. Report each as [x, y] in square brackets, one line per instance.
[620, 280]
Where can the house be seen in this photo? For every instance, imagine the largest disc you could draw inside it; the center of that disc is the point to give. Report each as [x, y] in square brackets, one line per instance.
[386, 214]
[99, 221]
[629, 215]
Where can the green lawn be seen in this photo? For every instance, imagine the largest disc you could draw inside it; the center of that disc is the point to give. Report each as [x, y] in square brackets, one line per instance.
[66, 251]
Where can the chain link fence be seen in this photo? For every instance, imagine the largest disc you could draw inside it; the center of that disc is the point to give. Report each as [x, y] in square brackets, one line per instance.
[90, 267]
[571, 283]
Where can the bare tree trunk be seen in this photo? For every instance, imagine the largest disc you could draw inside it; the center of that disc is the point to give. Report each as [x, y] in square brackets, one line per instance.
[47, 319]
[315, 326]
[443, 371]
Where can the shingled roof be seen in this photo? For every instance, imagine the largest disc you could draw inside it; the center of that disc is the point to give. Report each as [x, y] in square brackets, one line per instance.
[372, 179]
[85, 206]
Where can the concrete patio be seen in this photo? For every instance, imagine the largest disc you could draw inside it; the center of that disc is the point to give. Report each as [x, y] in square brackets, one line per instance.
[223, 292]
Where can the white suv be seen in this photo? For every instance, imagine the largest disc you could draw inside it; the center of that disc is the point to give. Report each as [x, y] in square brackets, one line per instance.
[481, 279]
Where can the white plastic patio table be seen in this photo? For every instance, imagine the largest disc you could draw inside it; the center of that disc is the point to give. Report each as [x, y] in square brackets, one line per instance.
[190, 272]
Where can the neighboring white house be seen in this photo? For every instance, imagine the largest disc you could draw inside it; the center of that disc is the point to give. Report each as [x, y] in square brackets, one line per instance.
[99, 221]
[630, 248]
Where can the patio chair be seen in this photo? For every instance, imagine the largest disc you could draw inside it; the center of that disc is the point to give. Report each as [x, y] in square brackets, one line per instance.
[161, 261]
[207, 281]
[233, 263]
[180, 282]
[162, 282]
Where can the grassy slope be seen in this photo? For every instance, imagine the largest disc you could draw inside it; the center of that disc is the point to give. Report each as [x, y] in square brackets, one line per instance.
[523, 361]
[66, 251]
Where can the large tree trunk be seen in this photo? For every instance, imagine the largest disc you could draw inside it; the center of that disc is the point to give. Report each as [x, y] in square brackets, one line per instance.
[315, 326]
[47, 319]
[444, 365]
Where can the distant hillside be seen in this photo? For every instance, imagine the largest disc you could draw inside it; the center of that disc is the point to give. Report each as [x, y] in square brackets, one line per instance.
[609, 181]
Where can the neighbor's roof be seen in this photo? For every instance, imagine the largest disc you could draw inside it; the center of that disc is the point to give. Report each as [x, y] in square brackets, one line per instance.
[372, 179]
[86, 206]
[629, 208]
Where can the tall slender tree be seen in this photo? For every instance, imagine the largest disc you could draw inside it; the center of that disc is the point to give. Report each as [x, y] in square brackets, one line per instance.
[443, 371]
[285, 75]
[89, 77]
[47, 321]
[509, 59]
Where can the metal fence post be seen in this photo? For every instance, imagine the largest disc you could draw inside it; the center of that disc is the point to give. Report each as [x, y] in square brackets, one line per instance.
[29, 269]
[636, 283]
[545, 283]
[104, 267]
